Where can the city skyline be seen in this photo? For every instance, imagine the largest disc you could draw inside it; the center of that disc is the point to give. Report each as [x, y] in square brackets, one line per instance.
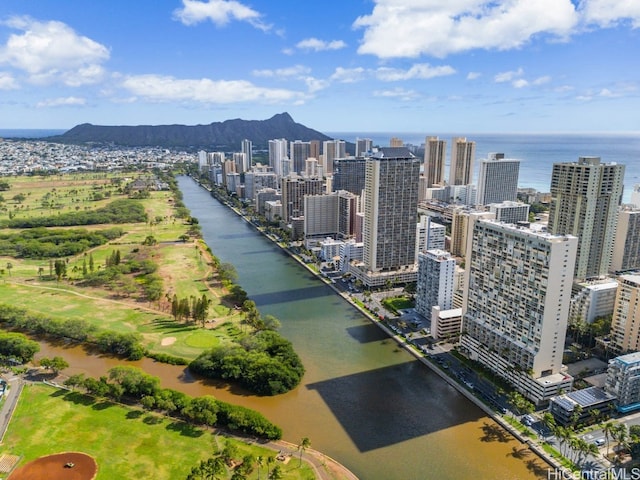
[516, 66]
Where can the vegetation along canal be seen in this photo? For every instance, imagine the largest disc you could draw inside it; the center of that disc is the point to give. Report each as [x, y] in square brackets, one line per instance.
[363, 400]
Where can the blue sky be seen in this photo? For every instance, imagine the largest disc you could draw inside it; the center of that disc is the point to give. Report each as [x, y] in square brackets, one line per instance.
[467, 66]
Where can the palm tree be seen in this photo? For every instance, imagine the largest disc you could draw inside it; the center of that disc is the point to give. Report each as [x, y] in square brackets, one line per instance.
[9, 267]
[270, 460]
[304, 444]
[259, 463]
[608, 430]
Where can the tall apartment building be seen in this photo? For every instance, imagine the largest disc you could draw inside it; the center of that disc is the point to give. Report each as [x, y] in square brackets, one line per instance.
[498, 179]
[241, 161]
[463, 154]
[332, 149]
[584, 202]
[435, 282]
[625, 324]
[396, 142]
[434, 160]
[461, 220]
[626, 246]
[332, 215]
[254, 181]
[278, 151]
[299, 151]
[623, 381]
[314, 149]
[635, 196]
[390, 217]
[363, 146]
[430, 235]
[592, 300]
[510, 212]
[247, 148]
[516, 305]
[294, 188]
[348, 174]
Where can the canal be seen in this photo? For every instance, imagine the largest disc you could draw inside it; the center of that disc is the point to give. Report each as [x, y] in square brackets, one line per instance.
[363, 401]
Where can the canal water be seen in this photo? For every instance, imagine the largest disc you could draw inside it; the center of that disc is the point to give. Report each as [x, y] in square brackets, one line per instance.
[363, 400]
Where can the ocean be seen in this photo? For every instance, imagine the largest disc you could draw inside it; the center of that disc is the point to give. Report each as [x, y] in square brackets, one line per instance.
[537, 152]
[29, 132]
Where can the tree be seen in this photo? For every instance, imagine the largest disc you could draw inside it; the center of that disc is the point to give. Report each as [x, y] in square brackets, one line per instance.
[9, 267]
[608, 430]
[270, 461]
[276, 473]
[259, 464]
[54, 364]
[19, 198]
[304, 444]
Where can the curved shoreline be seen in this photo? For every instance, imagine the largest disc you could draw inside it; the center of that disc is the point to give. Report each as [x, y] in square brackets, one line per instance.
[531, 443]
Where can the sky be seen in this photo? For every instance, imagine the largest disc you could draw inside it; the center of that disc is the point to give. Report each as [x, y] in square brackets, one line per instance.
[501, 66]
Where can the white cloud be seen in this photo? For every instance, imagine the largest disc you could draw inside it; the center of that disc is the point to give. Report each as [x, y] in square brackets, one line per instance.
[420, 70]
[62, 102]
[398, 92]
[220, 12]
[508, 76]
[520, 83]
[563, 88]
[610, 12]
[166, 89]
[541, 80]
[320, 45]
[52, 51]
[294, 71]
[315, 84]
[473, 75]
[7, 82]
[348, 75]
[410, 28]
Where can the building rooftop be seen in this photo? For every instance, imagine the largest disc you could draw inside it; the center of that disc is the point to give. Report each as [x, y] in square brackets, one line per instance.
[629, 358]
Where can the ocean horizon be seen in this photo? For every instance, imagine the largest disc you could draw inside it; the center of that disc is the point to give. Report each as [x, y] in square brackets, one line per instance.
[537, 151]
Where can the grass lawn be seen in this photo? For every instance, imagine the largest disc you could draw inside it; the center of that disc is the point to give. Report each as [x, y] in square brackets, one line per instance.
[183, 266]
[125, 442]
[397, 303]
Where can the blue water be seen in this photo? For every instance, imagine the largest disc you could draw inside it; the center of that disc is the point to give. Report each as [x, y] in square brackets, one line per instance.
[538, 152]
[30, 132]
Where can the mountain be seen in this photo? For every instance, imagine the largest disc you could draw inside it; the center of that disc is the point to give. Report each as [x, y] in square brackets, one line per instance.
[224, 136]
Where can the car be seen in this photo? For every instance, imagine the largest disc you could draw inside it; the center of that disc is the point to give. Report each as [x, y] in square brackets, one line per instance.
[599, 442]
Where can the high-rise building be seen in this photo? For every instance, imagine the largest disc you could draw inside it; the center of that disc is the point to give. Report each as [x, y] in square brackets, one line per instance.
[294, 188]
[435, 282]
[463, 154]
[299, 151]
[625, 324]
[510, 212]
[363, 146]
[516, 305]
[626, 247]
[348, 174]
[240, 159]
[278, 151]
[390, 217]
[584, 202]
[332, 149]
[430, 235]
[247, 149]
[434, 160]
[314, 149]
[396, 142]
[623, 381]
[498, 179]
[635, 196]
